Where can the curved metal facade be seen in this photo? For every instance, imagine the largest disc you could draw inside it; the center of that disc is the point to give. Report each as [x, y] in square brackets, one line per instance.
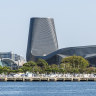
[42, 43]
[88, 52]
[42, 38]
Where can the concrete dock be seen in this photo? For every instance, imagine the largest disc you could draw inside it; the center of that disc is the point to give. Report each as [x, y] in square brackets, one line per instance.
[46, 79]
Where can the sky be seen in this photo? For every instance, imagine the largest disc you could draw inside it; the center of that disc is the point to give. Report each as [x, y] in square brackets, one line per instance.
[75, 22]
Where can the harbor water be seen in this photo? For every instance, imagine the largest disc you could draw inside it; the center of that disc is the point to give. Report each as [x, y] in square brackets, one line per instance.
[47, 88]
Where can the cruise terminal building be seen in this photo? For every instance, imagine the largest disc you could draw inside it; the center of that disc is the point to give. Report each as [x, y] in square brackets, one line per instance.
[42, 43]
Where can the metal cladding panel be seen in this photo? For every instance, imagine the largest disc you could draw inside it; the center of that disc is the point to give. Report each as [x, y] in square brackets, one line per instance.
[88, 52]
[42, 38]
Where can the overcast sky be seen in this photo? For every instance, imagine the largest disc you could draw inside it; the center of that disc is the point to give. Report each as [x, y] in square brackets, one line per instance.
[75, 22]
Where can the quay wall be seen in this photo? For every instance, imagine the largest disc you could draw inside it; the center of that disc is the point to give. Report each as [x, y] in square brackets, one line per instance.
[47, 79]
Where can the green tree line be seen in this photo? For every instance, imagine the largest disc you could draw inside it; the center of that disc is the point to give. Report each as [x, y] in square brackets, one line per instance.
[71, 64]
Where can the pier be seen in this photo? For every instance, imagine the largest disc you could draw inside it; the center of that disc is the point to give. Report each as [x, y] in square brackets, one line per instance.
[46, 79]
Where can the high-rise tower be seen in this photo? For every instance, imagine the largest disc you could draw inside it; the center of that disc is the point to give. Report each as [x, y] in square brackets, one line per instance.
[42, 38]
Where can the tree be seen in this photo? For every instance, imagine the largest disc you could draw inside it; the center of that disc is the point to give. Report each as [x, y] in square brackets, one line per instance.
[75, 62]
[6, 70]
[37, 69]
[54, 68]
[42, 63]
[25, 69]
[91, 70]
[65, 68]
[1, 69]
[20, 70]
[48, 69]
[30, 64]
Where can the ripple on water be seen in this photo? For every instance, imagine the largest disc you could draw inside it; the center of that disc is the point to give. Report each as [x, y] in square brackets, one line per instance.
[47, 88]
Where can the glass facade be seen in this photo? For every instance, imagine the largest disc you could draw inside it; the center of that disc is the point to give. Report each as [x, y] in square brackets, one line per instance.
[10, 59]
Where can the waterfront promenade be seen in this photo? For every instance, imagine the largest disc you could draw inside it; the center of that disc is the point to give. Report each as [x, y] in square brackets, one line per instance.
[55, 77]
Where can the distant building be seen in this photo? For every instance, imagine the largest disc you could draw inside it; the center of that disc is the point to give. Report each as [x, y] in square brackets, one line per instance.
[42, 38]
[11, 60]
[42, 43]
[88, 52]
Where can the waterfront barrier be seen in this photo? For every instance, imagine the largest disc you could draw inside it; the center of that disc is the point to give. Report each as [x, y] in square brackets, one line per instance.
[47, 79]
